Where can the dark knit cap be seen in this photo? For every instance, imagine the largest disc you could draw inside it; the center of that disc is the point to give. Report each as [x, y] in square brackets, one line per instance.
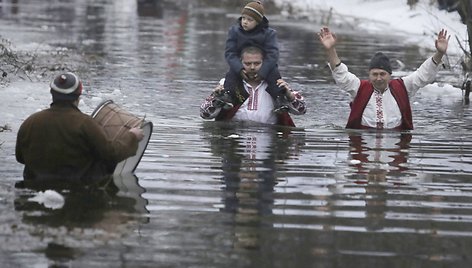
[255, 10]
[380, 61]
[66, 86]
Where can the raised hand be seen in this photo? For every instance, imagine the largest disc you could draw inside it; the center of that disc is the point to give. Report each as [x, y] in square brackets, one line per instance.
[442, 41]
[327, 38]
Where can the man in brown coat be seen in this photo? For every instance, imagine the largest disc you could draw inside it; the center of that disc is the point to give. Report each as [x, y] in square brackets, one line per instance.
[65, 146]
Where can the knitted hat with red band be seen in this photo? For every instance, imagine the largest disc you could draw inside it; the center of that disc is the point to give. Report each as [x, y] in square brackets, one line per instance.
[255, 10]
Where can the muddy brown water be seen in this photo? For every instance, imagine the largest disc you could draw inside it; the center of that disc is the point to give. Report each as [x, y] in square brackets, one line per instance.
[216, 195]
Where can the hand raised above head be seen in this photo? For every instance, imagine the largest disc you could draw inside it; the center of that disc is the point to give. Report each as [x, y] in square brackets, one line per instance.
[327, 38]
[442, 41]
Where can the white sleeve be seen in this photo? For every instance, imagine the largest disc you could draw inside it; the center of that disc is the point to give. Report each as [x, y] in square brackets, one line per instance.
[423, 76]
[346, 80]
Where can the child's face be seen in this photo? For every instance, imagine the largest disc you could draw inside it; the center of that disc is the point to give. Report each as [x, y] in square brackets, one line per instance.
[248, 23]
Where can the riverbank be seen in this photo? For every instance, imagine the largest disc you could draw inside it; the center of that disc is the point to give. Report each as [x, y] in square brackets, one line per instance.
[418, 23]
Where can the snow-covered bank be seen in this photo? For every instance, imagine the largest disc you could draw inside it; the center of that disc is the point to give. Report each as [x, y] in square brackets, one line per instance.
[395, 16]
[418, 25]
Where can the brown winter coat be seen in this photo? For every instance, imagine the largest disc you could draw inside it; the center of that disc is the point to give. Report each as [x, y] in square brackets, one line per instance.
[63, 144]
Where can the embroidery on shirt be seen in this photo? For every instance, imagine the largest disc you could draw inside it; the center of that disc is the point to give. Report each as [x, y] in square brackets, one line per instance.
[379, 109]
[253, 98]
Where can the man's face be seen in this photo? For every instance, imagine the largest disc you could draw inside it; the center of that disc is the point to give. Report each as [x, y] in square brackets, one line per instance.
[379, 78]
[252, 62]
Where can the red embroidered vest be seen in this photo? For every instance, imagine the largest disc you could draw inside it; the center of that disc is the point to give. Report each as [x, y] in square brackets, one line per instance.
[398, 89]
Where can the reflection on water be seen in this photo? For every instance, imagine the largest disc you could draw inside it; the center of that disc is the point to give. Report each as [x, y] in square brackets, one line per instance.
[210, 194]
[89, 219]
[380, 153]
[150, 8]
[251, 162]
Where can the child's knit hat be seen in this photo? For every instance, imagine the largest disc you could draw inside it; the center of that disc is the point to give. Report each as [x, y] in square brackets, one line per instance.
[255, 10]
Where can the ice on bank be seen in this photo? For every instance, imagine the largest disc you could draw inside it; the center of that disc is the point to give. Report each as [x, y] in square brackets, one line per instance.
[418, 23]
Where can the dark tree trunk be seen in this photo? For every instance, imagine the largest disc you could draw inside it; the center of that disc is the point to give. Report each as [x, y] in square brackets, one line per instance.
[466, 14]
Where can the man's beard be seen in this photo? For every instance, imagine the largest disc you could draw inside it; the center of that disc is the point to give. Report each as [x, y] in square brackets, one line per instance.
[252, 75]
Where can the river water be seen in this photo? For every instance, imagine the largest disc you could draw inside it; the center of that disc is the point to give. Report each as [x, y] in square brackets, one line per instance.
[211, 194]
